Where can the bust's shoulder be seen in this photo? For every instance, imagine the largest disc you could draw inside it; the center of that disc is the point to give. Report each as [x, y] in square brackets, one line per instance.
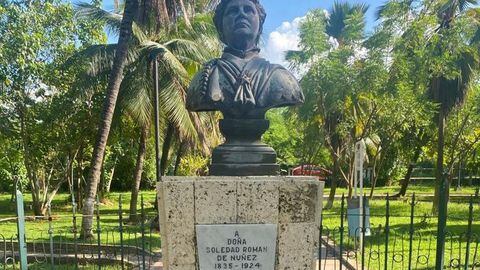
[282, 78]
[284, 87]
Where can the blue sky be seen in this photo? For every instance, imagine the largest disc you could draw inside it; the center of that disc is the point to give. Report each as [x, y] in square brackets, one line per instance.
[279, 11]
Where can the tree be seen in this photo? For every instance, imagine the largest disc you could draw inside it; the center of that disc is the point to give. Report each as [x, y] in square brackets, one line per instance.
[427, 61]
[180, 54]
[36, 37]
[448, 88]
[330, 85]
[113, 87]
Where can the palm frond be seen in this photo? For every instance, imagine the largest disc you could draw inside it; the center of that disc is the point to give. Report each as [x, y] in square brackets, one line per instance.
[188, 49]
[100, 57]
[172, 102]
[451, 92]
[111, 20]
[380, 11]
[464, 4]
[476, 37]
[339, 15]
[170, 62]
[135, 93]
[203, 33]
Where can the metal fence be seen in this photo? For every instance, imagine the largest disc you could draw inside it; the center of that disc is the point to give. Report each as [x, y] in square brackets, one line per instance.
[58, 244]
[383, 244]
[420, 241]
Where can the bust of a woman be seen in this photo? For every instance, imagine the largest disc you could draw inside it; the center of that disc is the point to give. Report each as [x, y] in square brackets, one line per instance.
[241, 84]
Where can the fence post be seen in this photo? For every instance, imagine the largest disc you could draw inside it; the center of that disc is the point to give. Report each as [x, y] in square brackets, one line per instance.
[143, 232]
[75, 230]
[469, 233]
[412, 215]
[120, 227]
[99, 251]
[364, 229]
[342, 230]
[22, 245]
[387, 230]
[50, 235]
[320, 243]
[442, 223]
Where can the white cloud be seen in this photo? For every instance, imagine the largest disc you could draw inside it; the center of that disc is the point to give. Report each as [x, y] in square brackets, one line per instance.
[284, 38]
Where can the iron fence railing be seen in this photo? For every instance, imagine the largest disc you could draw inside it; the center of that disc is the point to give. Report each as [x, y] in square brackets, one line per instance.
[389, 247]
[118, 244]
[406, 239]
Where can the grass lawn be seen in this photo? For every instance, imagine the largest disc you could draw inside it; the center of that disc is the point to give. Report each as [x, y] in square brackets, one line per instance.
[424, 240]
[417, 189]
[62, 224]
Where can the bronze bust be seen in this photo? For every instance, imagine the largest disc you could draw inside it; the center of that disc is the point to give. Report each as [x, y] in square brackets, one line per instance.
[243, 86]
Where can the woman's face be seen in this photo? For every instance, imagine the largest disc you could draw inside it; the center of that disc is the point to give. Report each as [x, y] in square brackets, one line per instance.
[240, 21]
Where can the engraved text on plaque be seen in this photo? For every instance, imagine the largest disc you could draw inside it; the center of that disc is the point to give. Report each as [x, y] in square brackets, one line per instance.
[237, 246]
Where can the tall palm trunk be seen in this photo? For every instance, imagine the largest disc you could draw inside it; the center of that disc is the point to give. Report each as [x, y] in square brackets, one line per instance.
[162, 5]
[167, 142]
[142, 150]
[179, 157]
[440, 158]
[185, 13]
[113, 87]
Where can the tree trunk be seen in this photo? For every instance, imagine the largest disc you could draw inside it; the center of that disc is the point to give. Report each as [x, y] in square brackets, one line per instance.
[31, 174]
[142, 149]
[335, 181]
[440, 154]
[167, 142]
[113, 87]
[110, 176]
[179, 157]
[408, 175]
[80, 172]
[163, 11]
[185, 14]
[51, 196]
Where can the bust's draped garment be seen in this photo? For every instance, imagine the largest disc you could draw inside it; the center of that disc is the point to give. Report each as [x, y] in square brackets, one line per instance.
[242, 92]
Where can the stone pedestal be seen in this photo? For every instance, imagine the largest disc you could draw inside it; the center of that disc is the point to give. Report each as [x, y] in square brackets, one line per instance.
[292, 204]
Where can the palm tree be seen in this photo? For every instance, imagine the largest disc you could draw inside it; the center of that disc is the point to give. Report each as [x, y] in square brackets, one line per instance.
[341, 24]
[451, 92]
[107, 114]
[180, 53]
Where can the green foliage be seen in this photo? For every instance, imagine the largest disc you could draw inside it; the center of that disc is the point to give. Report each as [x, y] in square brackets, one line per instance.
[40, 118]
[193, 165]
[284, 137]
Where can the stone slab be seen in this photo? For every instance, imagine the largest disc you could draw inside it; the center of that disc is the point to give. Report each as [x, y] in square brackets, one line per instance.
[297, 246]
[293, 204]
[257, 201]
[176, 205]
[215, 202]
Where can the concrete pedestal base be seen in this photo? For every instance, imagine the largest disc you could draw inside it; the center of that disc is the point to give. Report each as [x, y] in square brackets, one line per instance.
[293, 203]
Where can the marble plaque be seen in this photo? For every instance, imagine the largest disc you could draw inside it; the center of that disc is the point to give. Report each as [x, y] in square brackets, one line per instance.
[237, 246]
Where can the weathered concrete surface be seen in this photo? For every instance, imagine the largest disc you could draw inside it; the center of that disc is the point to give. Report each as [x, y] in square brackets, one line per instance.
[293, 203]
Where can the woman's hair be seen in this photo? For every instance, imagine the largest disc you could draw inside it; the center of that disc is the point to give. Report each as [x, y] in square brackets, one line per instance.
[220, 10]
